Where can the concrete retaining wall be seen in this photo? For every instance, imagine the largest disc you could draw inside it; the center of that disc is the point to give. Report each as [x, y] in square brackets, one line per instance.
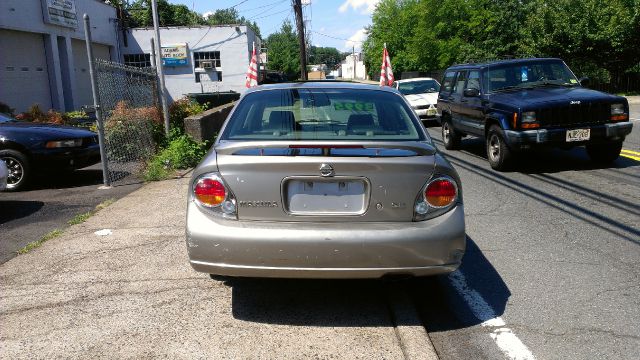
[206, 125]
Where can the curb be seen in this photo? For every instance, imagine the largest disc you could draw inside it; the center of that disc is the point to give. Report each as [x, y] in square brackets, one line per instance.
[413, 337]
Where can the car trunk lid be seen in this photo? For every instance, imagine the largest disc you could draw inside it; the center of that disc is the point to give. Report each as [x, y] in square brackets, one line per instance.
[320, 182]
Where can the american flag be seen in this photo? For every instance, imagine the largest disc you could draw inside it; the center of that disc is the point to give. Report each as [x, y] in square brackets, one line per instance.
[386, 74]
[252, 71]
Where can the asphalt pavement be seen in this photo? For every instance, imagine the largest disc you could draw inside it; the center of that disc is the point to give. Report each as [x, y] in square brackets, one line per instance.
[49, 203]
[553, 262]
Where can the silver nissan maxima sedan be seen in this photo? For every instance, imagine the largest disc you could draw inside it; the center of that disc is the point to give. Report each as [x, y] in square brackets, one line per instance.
[324, 180]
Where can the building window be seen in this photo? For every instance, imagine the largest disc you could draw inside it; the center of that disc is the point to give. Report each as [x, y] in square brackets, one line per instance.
[138, 60]
[202, 59]
[210, 62]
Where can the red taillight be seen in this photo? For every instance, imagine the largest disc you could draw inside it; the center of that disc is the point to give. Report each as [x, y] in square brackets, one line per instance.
[210, 192]
[440, 193]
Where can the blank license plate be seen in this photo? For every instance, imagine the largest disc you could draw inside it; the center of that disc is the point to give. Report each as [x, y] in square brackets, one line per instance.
[578, 135]
[335, 197]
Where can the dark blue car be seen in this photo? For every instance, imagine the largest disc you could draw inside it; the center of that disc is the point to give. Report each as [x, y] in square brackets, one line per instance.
[30, 148]
[527, 103]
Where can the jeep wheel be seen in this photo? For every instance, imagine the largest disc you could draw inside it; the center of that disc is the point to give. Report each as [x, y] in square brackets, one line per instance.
[450, 137]
[18, 166]
[498, 153]
[604, 153]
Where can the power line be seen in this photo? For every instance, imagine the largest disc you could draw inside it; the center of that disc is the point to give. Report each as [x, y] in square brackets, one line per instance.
[337, 38]
[263, 6]
[275, 13]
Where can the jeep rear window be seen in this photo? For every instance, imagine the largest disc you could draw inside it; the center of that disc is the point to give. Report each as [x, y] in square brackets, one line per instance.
[323, 114]
[528, 74]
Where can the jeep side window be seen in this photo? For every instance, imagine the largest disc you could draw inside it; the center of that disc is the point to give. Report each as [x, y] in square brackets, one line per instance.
[458, 88]
[474, 80]
[447, 83]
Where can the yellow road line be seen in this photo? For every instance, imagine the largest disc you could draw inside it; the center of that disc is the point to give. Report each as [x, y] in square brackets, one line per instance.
[636, 158]
[631, 152]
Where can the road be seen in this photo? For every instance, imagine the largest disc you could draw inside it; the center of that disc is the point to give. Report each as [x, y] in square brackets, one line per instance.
[551, 272]
[49, 203]
[553, 262]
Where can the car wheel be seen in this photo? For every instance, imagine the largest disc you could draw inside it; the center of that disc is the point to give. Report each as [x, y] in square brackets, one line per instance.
[498, 153]
[18, 166]
[604, 153]
[450, 137]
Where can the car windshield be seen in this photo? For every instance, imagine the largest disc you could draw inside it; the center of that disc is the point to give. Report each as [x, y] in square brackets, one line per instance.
[418, 87]
[322, 114]
[530, 74]
[6, 118]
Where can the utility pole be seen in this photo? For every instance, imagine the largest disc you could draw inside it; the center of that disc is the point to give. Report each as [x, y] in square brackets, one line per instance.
[163, 89]
[297, 8]
[353, 53]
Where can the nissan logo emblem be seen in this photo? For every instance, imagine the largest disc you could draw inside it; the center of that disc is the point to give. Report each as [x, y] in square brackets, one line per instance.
[326, 170]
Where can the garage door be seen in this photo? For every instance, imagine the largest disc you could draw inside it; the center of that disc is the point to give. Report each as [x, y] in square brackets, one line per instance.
[83, 94]
[24, 79]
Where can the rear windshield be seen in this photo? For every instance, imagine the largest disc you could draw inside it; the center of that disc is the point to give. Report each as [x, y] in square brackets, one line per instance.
[322, 114]
[418, 87]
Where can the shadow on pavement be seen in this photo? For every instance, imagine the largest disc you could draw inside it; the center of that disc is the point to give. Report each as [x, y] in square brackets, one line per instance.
[16, 209]
[440, 305]
[589, 215]
[545, 160]
[365, 302]
[345, 303]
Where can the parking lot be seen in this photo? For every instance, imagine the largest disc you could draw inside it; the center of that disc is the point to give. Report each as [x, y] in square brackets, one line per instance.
[551, 272]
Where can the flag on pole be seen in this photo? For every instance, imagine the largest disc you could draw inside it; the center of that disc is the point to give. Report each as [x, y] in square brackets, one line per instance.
[386, 74]
[252, 72]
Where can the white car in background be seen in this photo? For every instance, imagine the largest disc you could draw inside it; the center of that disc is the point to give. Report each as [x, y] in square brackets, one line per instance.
[422, 94]
[4, 174]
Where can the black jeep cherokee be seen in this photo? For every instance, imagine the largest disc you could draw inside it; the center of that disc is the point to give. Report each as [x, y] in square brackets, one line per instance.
[525, 103]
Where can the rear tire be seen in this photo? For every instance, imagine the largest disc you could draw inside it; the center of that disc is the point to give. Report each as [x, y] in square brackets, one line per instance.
[19, 169]
[498, 153]
[450, 137]
[604, 153]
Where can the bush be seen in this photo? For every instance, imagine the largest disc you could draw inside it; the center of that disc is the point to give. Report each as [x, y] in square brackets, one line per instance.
[183, 108]
[181, 152]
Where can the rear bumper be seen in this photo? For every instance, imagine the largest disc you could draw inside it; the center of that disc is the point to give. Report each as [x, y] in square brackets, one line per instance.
[324, 250]
[426, 113]
[599, 134]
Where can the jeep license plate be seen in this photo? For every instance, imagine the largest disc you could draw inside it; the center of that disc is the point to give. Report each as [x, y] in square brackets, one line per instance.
[578, 135]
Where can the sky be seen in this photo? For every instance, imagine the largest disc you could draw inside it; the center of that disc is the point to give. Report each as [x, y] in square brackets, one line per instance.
[332, 23]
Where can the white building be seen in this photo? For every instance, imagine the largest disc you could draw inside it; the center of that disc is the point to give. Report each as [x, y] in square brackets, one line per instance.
[351, 62]
[43, 56]
[197, 59]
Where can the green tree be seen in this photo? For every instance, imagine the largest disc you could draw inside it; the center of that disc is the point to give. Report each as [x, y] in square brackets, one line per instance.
[283, 51]
[595, 37]
[325, 55]
[140, 14]
[231, 16]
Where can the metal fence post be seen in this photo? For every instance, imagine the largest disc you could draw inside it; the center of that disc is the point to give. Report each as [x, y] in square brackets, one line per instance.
[159, 68]
[96, 102]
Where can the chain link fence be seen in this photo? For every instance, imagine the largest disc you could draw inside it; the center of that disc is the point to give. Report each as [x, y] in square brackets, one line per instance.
[130, 107]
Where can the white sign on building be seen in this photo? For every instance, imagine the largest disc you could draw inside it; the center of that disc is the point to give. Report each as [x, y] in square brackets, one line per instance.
[60, 12]
[174, 55]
